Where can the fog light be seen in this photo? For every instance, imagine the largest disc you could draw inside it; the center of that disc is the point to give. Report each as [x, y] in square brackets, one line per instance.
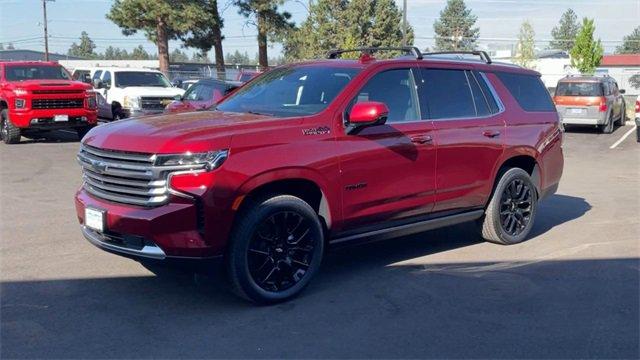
[84, 118]
[34, 121]
[20, 103]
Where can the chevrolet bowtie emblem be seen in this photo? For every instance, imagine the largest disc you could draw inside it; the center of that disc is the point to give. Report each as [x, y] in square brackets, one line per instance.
[99, 165]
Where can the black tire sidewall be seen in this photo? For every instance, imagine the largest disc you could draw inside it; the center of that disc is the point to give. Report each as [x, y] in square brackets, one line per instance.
[505, 180]
[237, 260]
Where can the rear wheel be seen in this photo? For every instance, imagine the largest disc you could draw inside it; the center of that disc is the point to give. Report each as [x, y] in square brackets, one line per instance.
[9, 133]
[275, 249]
[511, 211]
[623, 116]
[608, 127]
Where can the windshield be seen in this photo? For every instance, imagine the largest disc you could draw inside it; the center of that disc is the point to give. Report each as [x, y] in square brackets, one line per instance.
[124, 79]
[579, 89]
[290, 91]
[35, 72]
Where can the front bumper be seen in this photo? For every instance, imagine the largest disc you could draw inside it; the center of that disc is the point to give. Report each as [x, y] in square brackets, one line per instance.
[141, 112]
[22, 118]
[161, 232]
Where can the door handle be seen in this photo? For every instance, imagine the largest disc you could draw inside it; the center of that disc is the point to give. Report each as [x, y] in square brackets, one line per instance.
[491, 133]
[421, 139]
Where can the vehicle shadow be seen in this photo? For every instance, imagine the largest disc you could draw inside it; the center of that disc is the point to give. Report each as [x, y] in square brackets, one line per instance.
[588, 129]
[56, 136]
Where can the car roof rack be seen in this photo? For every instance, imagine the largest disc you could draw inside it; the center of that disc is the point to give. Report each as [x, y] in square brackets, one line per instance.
[334, 54]
[484, 56]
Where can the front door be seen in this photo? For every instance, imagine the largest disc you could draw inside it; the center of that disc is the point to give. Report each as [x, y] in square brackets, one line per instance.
[387, 171]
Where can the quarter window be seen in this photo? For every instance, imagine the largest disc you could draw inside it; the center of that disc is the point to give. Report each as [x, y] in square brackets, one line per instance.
[396, 89]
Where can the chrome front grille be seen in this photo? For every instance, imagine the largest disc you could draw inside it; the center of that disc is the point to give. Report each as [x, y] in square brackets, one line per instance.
[154, 103]
[129, 178]
[57, 103]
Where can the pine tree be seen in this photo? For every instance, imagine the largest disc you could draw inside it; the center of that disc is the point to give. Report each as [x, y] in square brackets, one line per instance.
[386, 29]
[139, 53]
[586, 54]
[85, 49]
[526, 46]
[178, 56]
[160, 20]
[207, 34]
[564, 34]
[630, 43]
[455, 29]
[269, 21]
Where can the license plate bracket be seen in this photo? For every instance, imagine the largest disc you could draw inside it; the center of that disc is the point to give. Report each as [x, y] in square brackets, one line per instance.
[60, 118]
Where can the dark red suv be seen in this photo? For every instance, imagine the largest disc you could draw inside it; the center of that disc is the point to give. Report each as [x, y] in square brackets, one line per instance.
[324, 152]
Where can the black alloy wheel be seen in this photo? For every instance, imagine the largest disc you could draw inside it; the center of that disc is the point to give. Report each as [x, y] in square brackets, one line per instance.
[280, 251]
[516, 207]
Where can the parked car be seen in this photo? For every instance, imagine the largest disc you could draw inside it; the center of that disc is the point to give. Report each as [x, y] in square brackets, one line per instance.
[39, 96]
[590, 100]
[246, 75]
[202, 95]
[324, 152]
[134, 92]
[637, 120]
[184, 84]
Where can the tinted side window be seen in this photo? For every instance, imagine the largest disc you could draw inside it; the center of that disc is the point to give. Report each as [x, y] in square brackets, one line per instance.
[395, 88]
[106, 79]
[528, 90]
[446, 94]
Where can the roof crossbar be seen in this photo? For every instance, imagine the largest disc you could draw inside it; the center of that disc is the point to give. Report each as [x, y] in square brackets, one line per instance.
[334, 54]
[482, 54]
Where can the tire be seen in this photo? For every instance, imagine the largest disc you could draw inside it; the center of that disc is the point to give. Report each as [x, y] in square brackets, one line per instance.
[9, 133]
[623, 116]
[117, 113]
[505, 221]
[83, 131]
[608, 127]
[265, 267]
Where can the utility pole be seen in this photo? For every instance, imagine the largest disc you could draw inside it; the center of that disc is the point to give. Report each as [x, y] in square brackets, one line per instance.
[46, 35]
[404, 23]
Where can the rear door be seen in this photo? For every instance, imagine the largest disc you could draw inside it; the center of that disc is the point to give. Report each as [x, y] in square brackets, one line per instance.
[469, 132]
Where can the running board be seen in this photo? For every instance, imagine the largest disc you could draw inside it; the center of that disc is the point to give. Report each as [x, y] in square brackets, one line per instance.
[408, 229]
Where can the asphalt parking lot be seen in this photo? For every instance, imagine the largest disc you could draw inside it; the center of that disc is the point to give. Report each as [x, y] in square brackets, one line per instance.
[571, 291]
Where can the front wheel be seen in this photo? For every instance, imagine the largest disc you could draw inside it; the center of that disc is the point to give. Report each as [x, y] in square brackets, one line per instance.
[511, 211]
[82, 131]
[9, 133]
[275, 249]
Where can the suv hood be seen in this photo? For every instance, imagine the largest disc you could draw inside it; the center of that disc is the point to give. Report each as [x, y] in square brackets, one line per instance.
[176, 133]
[44, 84]
[152, 91]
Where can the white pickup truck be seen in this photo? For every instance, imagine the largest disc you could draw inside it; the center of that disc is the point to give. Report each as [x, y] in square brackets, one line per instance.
[133, 92]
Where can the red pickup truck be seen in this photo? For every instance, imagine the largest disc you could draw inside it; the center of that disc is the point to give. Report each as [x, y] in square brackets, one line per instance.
[324, 152]
[41, 96]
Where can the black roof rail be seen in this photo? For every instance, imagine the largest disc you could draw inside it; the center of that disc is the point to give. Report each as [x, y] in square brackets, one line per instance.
[483, 54]
[334, 54]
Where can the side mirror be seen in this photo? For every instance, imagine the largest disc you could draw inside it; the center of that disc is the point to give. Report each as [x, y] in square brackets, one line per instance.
[622, 91]
[97, 83]
[364, 114]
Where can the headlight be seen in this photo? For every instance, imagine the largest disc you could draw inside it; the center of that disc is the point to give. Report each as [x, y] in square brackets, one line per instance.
[194, 161]
[92, 102]
[20, 103]
[131, 102]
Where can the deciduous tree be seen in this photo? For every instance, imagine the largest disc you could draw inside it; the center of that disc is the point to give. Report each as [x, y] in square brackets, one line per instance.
[586, 54]
[526, 46]
[630, 43]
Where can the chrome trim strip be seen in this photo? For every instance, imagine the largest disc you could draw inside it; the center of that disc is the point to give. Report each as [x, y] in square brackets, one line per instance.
[154, 201]
[152, 252]
[117, 155]
[501, 107]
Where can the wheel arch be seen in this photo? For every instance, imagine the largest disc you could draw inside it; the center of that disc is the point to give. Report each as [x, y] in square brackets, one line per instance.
[295, 183]
[525, 159]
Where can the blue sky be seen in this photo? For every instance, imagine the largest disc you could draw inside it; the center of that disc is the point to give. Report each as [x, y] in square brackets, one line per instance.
[499, 22]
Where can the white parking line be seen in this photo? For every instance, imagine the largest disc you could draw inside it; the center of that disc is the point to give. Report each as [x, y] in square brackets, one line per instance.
[623, 137]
